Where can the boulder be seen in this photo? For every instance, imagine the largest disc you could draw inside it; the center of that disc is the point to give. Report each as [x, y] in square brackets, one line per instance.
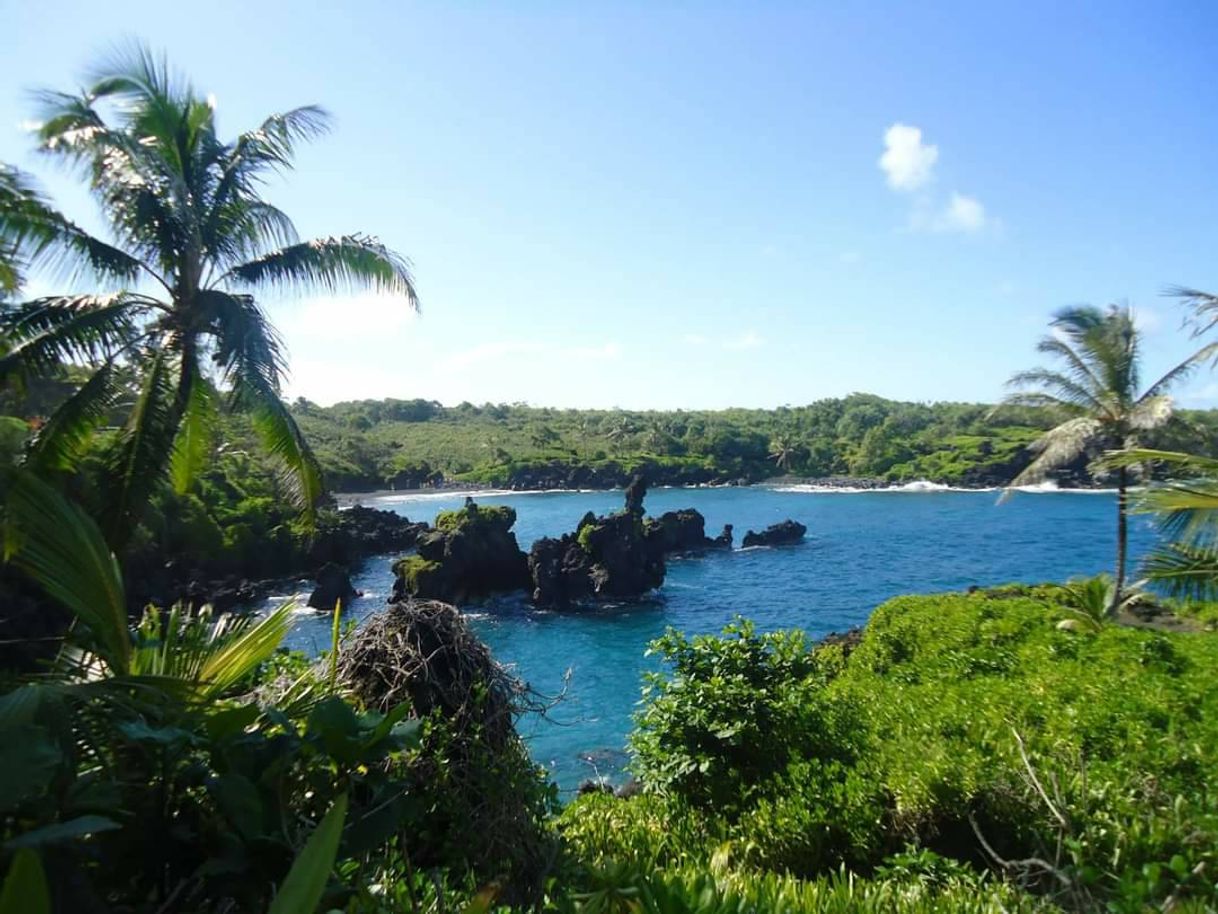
[469, 554]
[561, 571]
[683, 531]
[333, 584]
[781, 534]
[607, 558]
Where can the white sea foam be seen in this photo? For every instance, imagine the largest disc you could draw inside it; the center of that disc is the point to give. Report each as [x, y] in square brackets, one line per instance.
[924, 486]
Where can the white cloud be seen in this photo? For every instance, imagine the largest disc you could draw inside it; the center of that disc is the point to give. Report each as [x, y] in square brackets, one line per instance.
[963, 214]
[747, 340]
[694, 339]
[907, 161]
[909, 165]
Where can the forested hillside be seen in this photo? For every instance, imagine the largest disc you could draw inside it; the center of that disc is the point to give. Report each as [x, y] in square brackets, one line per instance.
[370, 444]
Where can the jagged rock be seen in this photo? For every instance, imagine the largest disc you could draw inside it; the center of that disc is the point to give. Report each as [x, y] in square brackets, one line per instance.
[469, 554]
[333, 584]
[560, 570]
[789, 531]
[359, 532]
[623, 566]
[607, 558]
[683, 531]
[635, 493]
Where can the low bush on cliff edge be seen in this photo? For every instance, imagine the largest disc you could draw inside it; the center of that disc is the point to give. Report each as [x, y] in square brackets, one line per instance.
[1079, 766]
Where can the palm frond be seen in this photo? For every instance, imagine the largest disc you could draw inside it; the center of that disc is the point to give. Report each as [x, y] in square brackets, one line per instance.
[1188, 511]
[1204, 306]
[1059, 386]
[1079, 370]
[205, 654]
[1182, 371]
[64, 439]
[62, 550]
[1190, 462]
[138, 464]
[1184, 571]
[195, 436]
[1057, 447]
[332, 265]
[1150, 412]
[34, 234]
[274, 141]
[47, 332]
[283, 440]
[1036, 399]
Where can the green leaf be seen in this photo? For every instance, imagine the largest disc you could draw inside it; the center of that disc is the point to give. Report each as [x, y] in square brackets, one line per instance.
[138, 731]
[238, 799]
[141, 460]
[228, 722]
[192, 446]
[29, 761]
[25, 887]
[305, 884]
[61, 832]
[63, 551]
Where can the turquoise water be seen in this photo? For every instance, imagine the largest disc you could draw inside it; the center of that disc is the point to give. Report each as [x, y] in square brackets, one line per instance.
[862, 548]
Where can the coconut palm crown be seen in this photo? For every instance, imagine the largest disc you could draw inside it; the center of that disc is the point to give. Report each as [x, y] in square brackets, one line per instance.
[1098, 390]
[190, 239]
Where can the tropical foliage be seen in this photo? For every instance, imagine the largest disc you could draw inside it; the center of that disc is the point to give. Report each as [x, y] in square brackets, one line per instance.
[1099, 395]
[191, 239]
[372, 444]
[969, 726]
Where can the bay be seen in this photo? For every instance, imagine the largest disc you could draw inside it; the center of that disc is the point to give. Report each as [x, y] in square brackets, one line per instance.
[862, 548]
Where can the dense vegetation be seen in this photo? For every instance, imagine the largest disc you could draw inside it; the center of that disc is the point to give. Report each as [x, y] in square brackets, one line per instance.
[1020, 749]
[371, 444]
[964, 731]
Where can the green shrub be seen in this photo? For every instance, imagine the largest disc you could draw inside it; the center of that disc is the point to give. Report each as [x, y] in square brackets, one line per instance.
[957, 716]
[733, 713]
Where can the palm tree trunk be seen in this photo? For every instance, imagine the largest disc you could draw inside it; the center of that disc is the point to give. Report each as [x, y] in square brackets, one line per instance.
[1122, 532]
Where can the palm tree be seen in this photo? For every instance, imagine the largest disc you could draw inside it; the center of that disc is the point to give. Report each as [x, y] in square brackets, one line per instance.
[1099, 389]
[783, 451]
[192, 237]
[620, 430]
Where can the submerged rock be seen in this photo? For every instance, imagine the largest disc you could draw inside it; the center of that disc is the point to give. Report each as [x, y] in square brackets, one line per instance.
[781, 534]
[469, 554]
[333, 584]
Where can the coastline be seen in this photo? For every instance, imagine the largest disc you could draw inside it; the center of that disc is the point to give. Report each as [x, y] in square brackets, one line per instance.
[811, 485]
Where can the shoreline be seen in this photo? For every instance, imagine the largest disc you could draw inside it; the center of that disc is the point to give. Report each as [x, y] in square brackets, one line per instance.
[828, 485]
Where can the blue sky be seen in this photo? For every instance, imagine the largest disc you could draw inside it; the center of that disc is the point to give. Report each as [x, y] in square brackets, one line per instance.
[703, 205]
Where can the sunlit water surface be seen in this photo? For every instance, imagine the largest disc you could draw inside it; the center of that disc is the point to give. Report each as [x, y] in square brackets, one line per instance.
[861, 549]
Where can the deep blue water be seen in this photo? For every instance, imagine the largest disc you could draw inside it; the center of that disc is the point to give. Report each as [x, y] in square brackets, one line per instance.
[861, 549]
